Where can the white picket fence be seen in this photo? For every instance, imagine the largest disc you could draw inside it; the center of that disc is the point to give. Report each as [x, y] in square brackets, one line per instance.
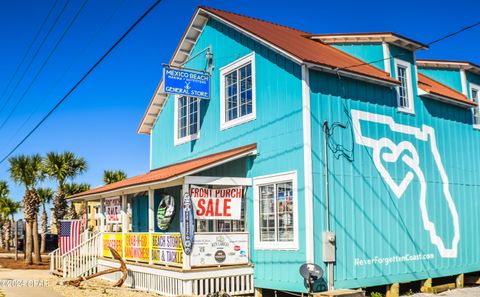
[81, 261]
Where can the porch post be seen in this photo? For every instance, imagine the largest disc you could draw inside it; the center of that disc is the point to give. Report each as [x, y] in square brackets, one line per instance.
[101, 214]
[151, 221]
[124, 222]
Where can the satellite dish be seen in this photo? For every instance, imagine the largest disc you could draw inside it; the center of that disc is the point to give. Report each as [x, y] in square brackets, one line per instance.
[310, 272]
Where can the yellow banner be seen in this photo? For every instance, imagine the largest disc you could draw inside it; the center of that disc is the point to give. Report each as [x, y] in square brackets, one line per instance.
[114, 240]
[137, 246]
[167, 249]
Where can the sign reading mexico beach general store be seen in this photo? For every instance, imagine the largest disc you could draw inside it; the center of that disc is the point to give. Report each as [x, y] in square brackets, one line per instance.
[217, 204]
[183, 82]
[112, 209]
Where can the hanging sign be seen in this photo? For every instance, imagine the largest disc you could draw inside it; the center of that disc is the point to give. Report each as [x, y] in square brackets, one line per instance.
[187, 224]
[165, 212]
[137, 246]
[112, 209]
[167, 249]
[217, 204]
[183, 82]
[220, 249]
[113, 240]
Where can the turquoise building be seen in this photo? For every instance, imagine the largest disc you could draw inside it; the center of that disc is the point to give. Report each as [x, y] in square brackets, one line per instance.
[365, 169]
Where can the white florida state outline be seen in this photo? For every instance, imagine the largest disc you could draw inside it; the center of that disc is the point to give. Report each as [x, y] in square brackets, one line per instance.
[426, 133]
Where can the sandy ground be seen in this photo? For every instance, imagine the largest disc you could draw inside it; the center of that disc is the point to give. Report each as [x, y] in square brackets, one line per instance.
[90, 288]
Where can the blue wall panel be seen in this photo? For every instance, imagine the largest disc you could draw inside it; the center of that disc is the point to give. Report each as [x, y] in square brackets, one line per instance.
[277, 130]
[368, 52]
[449, 77]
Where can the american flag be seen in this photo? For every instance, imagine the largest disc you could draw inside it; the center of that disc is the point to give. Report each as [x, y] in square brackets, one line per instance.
[69, 235]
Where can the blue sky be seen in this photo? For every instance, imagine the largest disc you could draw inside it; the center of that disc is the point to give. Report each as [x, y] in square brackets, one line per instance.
[100, 119]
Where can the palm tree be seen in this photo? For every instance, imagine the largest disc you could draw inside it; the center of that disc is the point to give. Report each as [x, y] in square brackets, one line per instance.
[27, 171]
[61, 167]
[4, 192]
[72, 189]
[46, 196]
[112, 176]
[8, 207]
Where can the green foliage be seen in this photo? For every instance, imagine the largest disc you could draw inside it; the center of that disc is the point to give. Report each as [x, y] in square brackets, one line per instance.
[113, 176]
[409, 292]
[376, 294]
[63, 166]
[26, 170]
[45, 195]
[70, 189]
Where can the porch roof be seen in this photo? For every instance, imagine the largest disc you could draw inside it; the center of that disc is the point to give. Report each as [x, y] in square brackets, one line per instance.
[165, 175]
[437, 90]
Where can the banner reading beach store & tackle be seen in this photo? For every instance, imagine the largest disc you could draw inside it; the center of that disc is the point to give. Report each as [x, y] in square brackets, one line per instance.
[217, 204]
[167, 249]
[137, 246]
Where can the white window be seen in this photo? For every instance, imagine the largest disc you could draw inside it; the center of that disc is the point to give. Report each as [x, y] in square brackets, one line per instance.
[403, 73]
[187, 119]
[475, 96]
[237, 92]
[276, 211]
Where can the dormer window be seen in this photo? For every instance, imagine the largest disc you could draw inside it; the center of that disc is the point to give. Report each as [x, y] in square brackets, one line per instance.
[475, 95]
[404, 90]
[237, 92]
[187, 119]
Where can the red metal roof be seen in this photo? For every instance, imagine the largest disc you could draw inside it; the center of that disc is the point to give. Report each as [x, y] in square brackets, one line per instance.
[171, 171]
[431, 86]
[298, 44]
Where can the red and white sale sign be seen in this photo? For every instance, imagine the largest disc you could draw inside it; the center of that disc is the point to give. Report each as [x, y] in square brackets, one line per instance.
[217, 204]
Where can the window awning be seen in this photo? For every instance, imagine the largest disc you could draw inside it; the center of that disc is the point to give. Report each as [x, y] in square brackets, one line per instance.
[167, 175]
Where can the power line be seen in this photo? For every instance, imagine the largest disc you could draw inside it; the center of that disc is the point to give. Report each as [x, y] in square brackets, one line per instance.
[29, 48]
[94, 36]
[81, 80]
[45, 62]
[422, 47]
[42, 43]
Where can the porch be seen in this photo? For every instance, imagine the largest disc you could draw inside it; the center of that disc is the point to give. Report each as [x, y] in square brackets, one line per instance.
[130, 219]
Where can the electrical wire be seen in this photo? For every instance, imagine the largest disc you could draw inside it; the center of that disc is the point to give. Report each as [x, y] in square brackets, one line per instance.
[59, 103]
[45, 62]
[95, 35]
[449, 35]
[29, 48]
[42, 43]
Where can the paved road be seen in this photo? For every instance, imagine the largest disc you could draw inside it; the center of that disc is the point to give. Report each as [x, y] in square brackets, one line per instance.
[25, 274]
[470, 292]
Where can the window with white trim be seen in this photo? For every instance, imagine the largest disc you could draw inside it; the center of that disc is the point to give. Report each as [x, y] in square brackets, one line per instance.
[405, 89]
[237, 92]
[187, 119]
[475, 95]
[276, 216]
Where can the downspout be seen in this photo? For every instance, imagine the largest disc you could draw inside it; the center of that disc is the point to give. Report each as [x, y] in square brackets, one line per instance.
[307, 165]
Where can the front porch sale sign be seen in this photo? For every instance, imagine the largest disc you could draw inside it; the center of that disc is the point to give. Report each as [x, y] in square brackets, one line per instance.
[217, 204]
[112, 209]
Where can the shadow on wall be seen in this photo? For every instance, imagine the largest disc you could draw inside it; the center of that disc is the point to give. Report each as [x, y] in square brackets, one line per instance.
[448, 111]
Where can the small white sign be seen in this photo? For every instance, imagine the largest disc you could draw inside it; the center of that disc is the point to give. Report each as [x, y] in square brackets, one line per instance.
[217, 204]
[220, 249]
[112, 209]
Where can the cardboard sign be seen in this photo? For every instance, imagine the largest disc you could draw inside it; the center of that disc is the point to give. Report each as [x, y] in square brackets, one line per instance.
[167, 249]
[220, 249]
[217, 204]
[112, 209]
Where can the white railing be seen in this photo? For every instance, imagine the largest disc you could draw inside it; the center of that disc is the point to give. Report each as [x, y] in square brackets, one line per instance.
[55, 261]
[82, 260]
